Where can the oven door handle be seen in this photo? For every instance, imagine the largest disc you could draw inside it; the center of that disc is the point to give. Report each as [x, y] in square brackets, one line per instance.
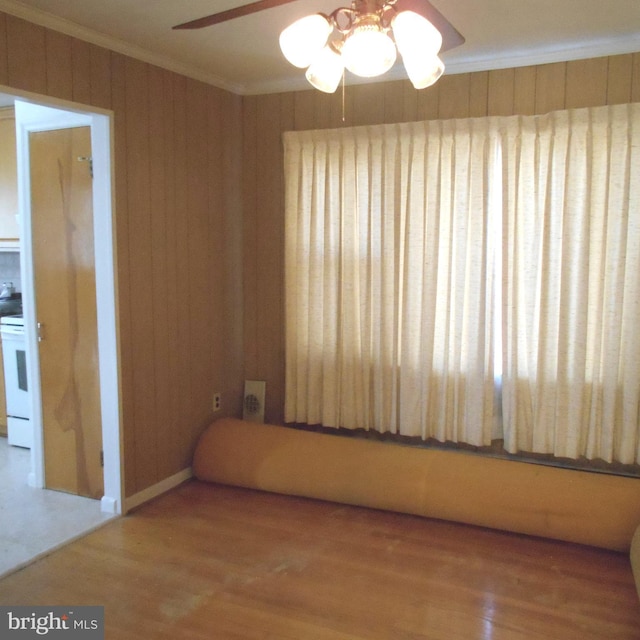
[11, 331]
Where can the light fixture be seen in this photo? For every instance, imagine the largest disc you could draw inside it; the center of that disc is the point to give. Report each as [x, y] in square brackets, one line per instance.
[303, 40]
[326, 71]
[368, 51]
[364, 39]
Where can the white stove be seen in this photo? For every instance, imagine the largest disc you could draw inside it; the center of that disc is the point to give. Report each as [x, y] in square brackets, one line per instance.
[14, 358]
[15, 320]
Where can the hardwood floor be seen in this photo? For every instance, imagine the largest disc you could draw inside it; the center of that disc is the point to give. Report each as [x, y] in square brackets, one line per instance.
[214, 562]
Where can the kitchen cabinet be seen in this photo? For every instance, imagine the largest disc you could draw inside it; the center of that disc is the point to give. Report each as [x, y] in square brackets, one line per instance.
[9, 227]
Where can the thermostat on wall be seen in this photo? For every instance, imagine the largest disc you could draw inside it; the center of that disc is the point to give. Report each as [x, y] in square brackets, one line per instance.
[253, 403]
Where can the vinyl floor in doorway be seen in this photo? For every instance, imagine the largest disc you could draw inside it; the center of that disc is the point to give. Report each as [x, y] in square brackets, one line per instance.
[33, 522]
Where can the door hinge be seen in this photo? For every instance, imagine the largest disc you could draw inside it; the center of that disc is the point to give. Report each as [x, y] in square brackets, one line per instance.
[88, 159]
[102, 458]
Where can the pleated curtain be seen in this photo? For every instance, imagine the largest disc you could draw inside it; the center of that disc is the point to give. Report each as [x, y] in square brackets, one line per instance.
[468, 280]
[571, 282]
[389, 279]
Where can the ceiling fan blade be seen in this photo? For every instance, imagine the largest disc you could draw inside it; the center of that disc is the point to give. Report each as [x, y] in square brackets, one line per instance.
[230, 14]
[451, 37]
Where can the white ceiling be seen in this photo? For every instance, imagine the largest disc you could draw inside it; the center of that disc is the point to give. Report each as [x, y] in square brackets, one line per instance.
[243, 56]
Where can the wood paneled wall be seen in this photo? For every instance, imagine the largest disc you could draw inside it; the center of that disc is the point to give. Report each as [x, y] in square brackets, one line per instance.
[199, 212]
[525, 90]
[178, 229]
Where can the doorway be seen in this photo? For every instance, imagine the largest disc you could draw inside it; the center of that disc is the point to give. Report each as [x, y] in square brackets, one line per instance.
[32, 118]
[38, 524]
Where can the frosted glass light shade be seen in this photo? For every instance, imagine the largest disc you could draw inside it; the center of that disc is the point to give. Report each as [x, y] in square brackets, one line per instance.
[414, 32]
[419, 43]
[326, 70]
[302, 41]
[423, 71]
[368, 51]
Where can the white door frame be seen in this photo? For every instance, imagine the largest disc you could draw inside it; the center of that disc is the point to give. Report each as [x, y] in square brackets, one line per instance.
[31, 116]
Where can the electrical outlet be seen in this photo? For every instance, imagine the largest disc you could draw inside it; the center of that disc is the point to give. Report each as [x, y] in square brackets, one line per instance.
[217, 401]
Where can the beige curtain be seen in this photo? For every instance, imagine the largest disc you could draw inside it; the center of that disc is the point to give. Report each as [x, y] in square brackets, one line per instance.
[389, 278]
[571, 283]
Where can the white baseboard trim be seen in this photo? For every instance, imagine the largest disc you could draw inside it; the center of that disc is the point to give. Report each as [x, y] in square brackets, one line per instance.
[109, 505]
[157, 489]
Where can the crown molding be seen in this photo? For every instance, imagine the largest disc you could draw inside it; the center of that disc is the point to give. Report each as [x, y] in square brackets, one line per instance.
[460, 64]
[456, 62]
[62, 25]
[527, 58]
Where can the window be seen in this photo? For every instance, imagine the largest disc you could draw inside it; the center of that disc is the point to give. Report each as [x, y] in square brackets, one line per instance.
[426, 260]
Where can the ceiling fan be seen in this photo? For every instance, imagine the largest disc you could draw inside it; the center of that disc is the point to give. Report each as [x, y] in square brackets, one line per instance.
[362, 38]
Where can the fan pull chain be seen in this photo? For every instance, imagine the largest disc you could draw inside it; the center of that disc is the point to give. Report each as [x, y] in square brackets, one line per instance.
[343, 100]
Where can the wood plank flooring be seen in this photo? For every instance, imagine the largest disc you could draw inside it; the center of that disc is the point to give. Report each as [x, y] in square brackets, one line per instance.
[207, 561]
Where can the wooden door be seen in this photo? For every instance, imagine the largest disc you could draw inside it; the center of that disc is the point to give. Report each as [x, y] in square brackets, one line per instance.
[65, 296]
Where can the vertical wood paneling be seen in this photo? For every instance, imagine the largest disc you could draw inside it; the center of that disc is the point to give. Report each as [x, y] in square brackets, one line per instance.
[524, 96]
[524, 90]
[586, 83]
[101, 77]
[59, 67]
[478, 94]
[270, 253]
[81, 64]
[250, 222]
[233, 372]
[368, 103]
[140, 278]
[322, 110]
[159, 266]
[635, 81]
[4, 69]
[550, 87]
[215, 229]
[183, 334]
[304, 110]
[26, 55]
[394, 108]
[501, 92]
[410, 101]
[454, 96]
[199, 278]
[428, 102]
[170, 430]
[619, 79]
[288, 116]
[125, 262]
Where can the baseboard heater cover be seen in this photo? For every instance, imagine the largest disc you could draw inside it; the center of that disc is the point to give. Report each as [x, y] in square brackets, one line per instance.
[575, 506]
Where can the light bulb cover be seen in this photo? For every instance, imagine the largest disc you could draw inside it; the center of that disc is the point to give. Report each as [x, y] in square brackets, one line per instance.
[302, 41]
[413, 33]
[368, 51]
[326, 70]
[423, 71]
